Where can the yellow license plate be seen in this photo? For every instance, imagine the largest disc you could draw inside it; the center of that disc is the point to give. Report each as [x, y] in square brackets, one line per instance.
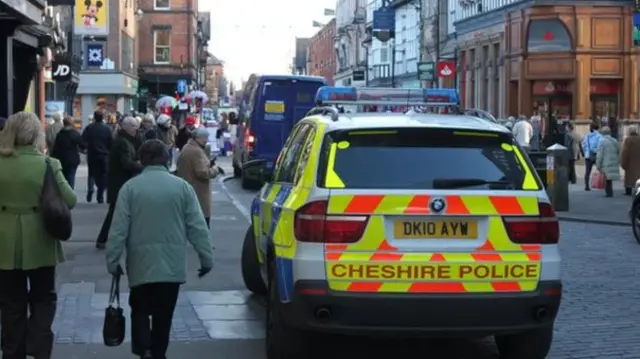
[274, 107]
[435, 229]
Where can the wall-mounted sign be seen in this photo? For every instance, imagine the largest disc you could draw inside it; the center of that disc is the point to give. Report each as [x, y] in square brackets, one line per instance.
[91, 17]
[60, 70]
[384, 23]
[636, 29]
[446, 68]
[426, 71]
[358, 75]
[95, 55]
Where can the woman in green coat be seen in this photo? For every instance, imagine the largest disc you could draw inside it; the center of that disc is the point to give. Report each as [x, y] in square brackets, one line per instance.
[28, 254]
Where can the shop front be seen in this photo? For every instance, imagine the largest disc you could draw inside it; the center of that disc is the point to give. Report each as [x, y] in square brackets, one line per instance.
[22, 38]
[588, 76]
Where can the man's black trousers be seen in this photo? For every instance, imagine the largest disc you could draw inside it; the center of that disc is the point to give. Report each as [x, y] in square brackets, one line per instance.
[152, 307]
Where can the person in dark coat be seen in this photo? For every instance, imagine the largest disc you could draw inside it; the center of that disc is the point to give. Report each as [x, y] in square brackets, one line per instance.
[98, 138]
[184, 135]
[123, 165]
[66, 149]
[148, 127]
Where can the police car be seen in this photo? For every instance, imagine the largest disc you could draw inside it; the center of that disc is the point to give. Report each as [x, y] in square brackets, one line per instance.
[411, 224]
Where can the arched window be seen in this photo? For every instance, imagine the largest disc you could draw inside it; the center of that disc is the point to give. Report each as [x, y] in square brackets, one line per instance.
[548, 35]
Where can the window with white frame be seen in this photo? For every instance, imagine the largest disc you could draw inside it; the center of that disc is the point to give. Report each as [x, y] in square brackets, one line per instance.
[161, 4]
[384, 54]
[162, 46]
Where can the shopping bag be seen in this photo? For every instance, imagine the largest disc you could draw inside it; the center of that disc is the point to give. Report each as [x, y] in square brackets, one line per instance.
[113, 329]
[597, 180]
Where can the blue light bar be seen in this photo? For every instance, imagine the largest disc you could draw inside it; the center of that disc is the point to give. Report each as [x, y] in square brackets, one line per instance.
[330, 95]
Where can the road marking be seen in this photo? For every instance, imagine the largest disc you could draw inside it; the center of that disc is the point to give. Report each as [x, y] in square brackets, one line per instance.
[243, 210]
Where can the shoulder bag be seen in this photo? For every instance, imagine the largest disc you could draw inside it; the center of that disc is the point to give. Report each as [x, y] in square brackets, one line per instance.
[113, 329]
[55, 212]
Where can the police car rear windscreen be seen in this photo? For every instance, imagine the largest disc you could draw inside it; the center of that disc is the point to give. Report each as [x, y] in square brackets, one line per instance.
[419, 158]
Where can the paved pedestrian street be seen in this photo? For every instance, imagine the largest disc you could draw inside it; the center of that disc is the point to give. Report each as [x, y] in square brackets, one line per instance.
[199, 315]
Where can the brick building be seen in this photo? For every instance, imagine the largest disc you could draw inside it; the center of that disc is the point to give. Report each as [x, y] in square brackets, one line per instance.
[168, 46]
[322, 56]
[214, 72]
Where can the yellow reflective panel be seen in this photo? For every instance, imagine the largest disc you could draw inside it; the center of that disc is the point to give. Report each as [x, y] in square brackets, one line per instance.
[529, 182]
[507, 147]
[343, 145]
[332, 180]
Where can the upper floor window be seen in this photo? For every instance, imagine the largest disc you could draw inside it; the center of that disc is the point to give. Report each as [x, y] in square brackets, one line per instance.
[161, 4]
[162, 46]
[128, 54]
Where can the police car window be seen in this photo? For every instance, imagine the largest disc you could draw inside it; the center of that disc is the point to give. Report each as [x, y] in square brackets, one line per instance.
[304, 157]
[285, 148]
[288, 163]
[423, 158]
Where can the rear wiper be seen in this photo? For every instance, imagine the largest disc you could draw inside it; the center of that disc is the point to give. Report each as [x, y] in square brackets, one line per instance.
[450, 183]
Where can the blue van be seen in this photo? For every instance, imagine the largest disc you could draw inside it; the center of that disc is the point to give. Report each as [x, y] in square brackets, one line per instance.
[271, 106]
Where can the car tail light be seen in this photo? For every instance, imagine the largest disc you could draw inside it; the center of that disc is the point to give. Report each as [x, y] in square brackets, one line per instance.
[313, 224]
[249, 140]
[541, 229]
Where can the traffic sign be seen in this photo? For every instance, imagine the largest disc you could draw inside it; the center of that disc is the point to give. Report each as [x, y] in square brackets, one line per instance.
[181, 87]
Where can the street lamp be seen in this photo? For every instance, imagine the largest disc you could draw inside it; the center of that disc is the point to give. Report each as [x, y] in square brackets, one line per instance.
[138, 14]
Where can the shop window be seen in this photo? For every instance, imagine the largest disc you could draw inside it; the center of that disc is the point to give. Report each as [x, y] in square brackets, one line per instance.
[548, 35]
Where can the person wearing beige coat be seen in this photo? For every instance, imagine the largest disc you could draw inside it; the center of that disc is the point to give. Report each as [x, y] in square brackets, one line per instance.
[195, 167]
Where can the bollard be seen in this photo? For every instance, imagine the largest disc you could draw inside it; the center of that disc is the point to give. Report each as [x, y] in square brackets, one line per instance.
[558, 177]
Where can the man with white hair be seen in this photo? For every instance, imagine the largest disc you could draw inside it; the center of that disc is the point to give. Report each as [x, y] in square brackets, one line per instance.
[148, 126]
[123, 165]
[52, 130]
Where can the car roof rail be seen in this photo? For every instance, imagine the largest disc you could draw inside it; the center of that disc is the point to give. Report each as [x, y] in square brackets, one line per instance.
[325, 110]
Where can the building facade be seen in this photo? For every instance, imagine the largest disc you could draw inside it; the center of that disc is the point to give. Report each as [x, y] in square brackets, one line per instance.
[377, 53]
[109, 71]
[348, 43]
[168, 47]
[300, 60]
[406, 45]
[215, 74]
[322, 56]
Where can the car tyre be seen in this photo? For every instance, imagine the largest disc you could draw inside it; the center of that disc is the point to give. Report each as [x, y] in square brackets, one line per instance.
[246, 182]
[282, 342]
[534, 344]
[250, 265]
[635, 222]
[237, 171]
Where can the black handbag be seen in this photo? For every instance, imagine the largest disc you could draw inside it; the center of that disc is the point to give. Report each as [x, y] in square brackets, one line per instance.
[55, 212]
[113, 329]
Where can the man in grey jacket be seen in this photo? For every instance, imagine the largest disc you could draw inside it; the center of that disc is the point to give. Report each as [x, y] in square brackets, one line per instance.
[52, 130]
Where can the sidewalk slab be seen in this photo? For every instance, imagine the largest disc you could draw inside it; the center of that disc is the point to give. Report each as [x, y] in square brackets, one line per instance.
[593, 207]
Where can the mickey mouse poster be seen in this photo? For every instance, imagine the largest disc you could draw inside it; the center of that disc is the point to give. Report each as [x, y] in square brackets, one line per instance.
[92, 17]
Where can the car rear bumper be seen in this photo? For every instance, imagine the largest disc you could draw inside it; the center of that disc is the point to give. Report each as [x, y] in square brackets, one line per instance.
[434, 315]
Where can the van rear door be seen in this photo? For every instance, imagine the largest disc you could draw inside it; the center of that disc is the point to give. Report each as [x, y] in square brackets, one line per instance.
[273, 111]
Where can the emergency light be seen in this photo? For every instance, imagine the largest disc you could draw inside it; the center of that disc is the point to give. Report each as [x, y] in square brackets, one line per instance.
[329, 95]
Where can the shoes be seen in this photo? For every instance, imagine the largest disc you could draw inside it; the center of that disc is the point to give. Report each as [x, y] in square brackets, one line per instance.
[146, 355]
[89, 196]
[101, 245]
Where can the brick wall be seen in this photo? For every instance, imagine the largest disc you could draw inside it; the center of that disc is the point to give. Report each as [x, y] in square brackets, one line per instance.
[182, 19]
[322, 54]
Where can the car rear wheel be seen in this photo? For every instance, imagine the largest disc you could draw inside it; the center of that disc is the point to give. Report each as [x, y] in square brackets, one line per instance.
[282, 342]
[250, 266]
[534, 344]
[246, 182]
[237, 171]
[635, 222]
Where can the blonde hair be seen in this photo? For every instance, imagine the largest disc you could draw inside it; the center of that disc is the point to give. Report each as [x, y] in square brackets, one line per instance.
[21, 129]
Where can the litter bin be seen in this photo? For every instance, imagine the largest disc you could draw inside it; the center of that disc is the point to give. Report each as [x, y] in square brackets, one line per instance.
[539, 161]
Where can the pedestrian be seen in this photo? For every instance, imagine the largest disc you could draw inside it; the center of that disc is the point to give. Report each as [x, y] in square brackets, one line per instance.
[155, 216]
[523, 132]
[608, 159]
[148, 127]
[98, 139]
[123, 165]
[52, 130]
[195, 167]
[2, 122]
[185, 132]
[28, 254]
[66, 149]
[630, 159]
[590, 144]
[162, 128]
[572, 142]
